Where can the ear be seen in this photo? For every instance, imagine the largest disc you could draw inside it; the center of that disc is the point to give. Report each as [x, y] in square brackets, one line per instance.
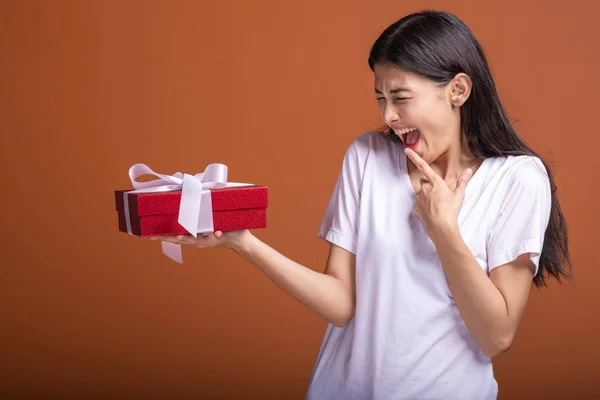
[459, 89]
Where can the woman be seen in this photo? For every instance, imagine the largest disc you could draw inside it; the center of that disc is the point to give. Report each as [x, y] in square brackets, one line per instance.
[438, 225]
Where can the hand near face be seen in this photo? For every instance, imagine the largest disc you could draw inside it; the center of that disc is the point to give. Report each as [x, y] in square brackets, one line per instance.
[438, 205]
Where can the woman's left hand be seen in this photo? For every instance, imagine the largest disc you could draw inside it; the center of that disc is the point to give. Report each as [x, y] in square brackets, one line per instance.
[438, 205]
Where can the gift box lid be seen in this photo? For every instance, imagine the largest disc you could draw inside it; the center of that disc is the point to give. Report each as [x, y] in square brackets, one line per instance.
[158, 203]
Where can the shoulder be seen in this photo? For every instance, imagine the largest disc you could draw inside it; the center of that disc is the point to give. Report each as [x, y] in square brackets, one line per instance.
[521, 183]
[369, 148]
[527, 171]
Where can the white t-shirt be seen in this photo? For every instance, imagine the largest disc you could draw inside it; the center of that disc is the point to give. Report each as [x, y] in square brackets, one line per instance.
[407, 339]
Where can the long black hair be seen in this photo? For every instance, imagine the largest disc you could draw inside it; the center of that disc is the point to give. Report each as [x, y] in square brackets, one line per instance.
[437, 45]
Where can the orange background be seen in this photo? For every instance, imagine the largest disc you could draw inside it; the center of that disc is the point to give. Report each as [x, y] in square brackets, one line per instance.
[276, 90]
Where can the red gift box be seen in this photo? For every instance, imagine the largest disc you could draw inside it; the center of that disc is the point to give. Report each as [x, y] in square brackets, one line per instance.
[156, 213]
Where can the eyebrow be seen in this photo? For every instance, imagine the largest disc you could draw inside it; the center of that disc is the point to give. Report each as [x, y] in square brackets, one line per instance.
[394, 91]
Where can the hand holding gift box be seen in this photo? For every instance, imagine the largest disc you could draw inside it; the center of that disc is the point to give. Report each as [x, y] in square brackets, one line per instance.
[189, 204]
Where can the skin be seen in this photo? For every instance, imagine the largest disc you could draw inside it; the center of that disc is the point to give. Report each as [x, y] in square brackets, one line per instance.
[440, 169]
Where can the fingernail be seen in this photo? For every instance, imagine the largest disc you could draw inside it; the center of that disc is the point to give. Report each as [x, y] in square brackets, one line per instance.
[179, 237]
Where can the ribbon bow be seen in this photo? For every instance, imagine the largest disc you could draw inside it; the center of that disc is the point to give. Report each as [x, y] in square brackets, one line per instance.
[195, 208]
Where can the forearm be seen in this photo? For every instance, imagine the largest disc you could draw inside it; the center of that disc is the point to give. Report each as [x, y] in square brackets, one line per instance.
[323, 294]
[481, 305]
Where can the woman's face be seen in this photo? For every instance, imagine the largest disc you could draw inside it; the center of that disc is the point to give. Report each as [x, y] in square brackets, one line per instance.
[421, 112]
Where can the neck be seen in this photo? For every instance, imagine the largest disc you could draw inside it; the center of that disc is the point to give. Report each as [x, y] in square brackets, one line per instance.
[452, 163]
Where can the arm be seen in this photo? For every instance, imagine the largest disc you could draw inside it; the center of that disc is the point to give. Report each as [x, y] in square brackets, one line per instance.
[490, 306]
[331, 295]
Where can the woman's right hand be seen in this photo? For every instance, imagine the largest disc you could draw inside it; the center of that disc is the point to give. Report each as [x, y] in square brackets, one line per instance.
[236, 240]
[331, 295]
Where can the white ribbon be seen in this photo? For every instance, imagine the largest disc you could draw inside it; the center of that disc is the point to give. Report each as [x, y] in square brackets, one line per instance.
[195, 208]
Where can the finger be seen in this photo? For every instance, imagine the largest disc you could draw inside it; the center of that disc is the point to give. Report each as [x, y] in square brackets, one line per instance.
[170, 239]
[423, 182]
[206, 240]
[463, 180]
[422, 165]
[187, 239]
[218, 234]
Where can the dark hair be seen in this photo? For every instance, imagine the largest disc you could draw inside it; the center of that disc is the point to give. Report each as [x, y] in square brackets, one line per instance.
[437, 45]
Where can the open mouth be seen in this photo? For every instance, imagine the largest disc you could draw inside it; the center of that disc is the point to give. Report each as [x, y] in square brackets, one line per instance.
[410, 136]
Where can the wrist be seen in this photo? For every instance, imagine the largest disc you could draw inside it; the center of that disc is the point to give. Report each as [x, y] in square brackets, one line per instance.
[444, 231]
[243, 244]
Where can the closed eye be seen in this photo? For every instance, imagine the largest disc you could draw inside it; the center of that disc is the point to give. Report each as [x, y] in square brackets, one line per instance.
[397, 98]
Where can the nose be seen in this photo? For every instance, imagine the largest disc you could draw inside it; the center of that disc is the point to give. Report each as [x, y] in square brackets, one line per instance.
[389, 113]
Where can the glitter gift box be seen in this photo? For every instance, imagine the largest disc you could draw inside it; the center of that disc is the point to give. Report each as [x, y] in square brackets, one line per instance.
[156, 213]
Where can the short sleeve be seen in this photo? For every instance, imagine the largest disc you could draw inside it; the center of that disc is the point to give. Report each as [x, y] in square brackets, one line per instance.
[523, 217]
[339, 224]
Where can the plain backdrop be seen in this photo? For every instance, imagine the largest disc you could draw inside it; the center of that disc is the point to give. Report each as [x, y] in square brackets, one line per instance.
[276, 90]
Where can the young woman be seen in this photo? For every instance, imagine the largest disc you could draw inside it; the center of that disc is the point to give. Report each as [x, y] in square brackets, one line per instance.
[437, 225]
